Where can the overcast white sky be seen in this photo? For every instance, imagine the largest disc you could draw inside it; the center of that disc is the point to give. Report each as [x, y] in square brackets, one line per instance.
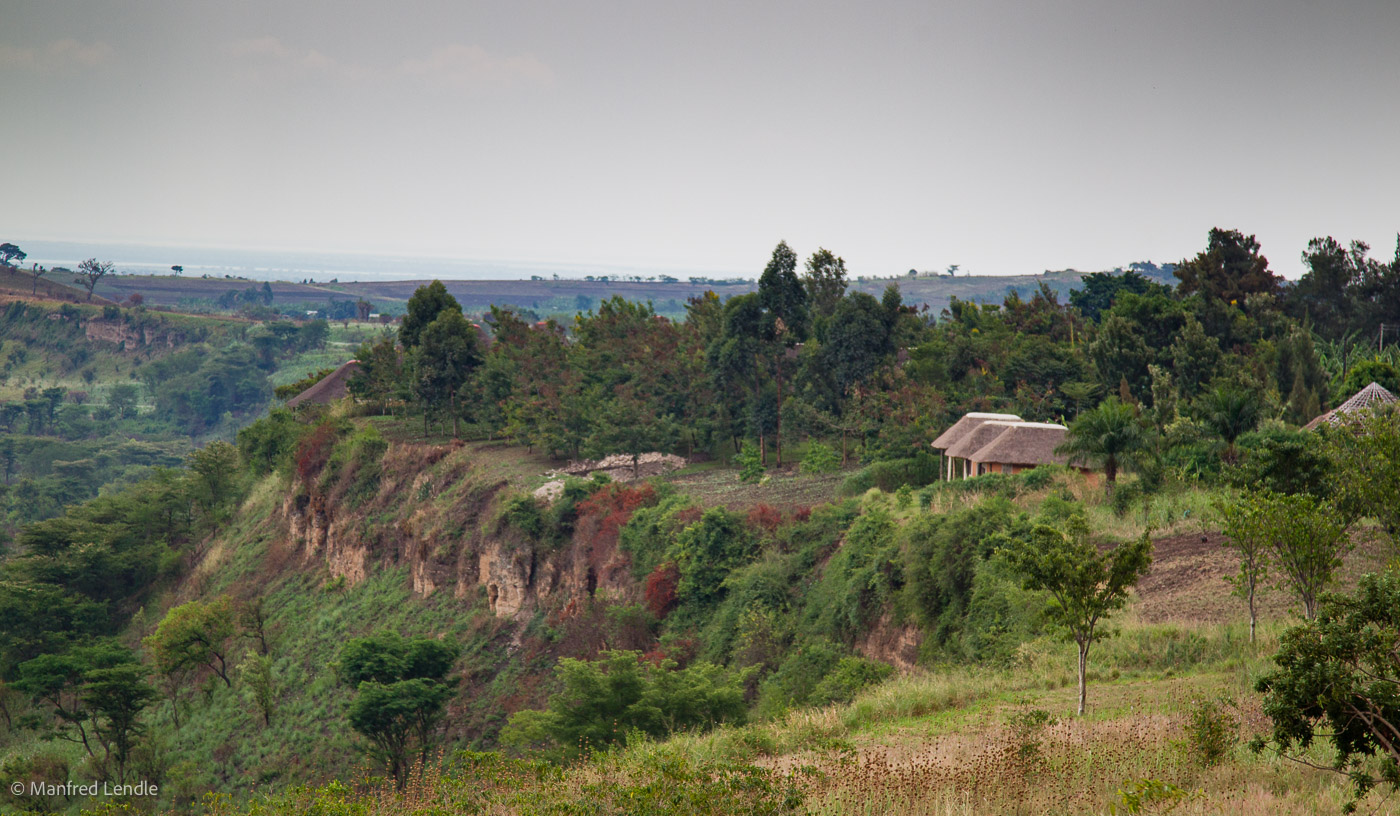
[1007, 137]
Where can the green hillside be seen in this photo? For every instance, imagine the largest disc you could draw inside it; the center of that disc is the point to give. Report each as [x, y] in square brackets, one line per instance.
[314, 546]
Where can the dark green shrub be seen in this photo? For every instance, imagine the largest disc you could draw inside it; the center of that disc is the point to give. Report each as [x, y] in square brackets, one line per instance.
[1283, 461]
[942, 557]
[601, 701]
[890, 474]
[820, 458]
[1039, 478]
[522, 513]
[1125, 496]
[707, 551]
[649, 533]
[794, 681]
[850, 675]
[859, 580]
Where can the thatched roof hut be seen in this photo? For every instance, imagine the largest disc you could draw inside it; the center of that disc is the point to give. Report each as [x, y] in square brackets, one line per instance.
[979, 437]
[1369, 398]
[966, 425]
[331, 387]
[1022, 445]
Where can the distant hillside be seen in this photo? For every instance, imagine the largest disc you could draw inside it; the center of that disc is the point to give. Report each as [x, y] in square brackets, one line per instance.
[544, 296]
[15, 282]
[170, 290]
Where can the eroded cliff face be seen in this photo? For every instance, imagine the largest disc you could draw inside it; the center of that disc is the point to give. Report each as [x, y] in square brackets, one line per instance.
[120, 333]
[452, 546]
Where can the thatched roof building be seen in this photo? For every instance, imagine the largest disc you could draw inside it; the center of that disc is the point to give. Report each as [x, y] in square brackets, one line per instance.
[960, 429]
[978, 437]
[965, 426]
[1369, 398]
[332, 387]
[1021, 446]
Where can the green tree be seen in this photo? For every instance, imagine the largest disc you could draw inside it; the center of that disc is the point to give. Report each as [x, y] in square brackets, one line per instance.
[858, 341]
[1370, 446]
[1337, 679]
[1248, 529]
[1109, 436]
[116, 696]
[1120, 354]
[380, 374]
[1229, 270]
[11, 254]
[601, 701]
[783, 296]
[401, 692]
[259, 684]
[424, 307]
[1098, 290]
[1085, 585]
[825, 282]
[446, 356]
[215, 471]
[1306, 537]
[1371, 371]
[784, 301]
[73, 684]
[628, 422]
[1195, 356]
[122, 399]
[90, 272]
[192, 635]
[1231, 412]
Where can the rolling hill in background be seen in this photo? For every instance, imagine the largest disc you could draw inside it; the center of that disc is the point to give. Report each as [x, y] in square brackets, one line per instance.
[552, 296]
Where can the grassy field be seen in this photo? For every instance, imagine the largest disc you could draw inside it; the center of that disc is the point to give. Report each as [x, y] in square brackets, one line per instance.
[941, 742]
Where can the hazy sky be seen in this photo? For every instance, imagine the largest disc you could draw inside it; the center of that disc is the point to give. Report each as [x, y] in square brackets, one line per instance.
[1007, 137]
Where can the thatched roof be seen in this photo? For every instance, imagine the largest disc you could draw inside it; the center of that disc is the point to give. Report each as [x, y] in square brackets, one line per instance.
[966, 425]
[979, 437]
[1371, 397]
[1024, 443]
[332, 387]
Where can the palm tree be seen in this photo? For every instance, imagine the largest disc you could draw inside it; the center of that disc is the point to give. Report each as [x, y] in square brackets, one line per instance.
[1231, 412]
[1109, 436]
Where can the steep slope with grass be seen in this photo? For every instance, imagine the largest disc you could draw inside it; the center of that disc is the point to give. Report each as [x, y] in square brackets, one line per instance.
[340, 531]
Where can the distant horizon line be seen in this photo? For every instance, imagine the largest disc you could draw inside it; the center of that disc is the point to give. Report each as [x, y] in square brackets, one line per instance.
[307, 262]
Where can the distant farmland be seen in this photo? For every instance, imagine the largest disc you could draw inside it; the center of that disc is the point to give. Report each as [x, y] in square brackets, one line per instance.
[556, 296]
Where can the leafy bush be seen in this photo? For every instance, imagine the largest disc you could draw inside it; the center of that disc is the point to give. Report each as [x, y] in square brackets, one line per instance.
[850, 675]
[1125, 496]
[890, 474]
[649, 533]
[707, 551]
[602, 701]
[523, 513]
[797, 677]
[353, 468]
[750, 463]
[820, 458]
[942, 556]
[1039, 478]
[859, 580]
[1283, 461]
[1211, 731]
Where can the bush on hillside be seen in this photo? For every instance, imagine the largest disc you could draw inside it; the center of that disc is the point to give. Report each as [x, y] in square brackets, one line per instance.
[890, 474]
[848, 678]
[600, 703]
